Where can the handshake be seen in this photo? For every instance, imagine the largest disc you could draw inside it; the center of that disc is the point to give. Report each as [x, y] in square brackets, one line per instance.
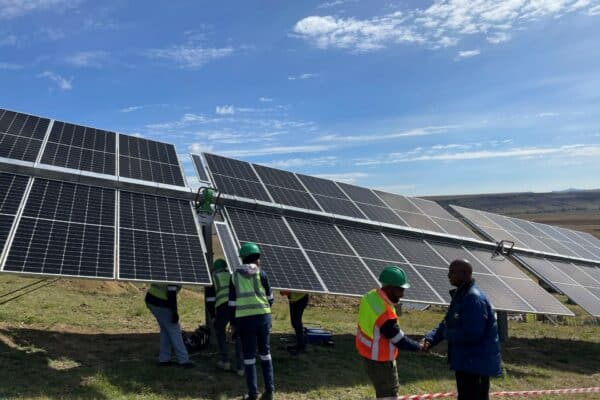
[424, 345]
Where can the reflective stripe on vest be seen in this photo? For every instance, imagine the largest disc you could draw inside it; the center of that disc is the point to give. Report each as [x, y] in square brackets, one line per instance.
[221, 280]
[251, 298]
[373, 312]
[160, 290]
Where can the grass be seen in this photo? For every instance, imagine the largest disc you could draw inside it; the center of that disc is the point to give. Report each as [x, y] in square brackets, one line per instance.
[96, 340]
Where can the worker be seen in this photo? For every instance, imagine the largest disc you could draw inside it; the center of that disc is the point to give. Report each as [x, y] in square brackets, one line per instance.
[472, 332]
[217, 297]
[250, 301]
[161, 299]
[298, 302]
[378, 336]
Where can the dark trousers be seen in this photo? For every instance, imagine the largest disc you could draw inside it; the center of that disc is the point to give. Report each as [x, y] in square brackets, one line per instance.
[472, 386]
[255, 331]
[296, 311]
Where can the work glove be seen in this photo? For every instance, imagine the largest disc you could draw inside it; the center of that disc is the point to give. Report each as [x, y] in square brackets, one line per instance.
[175, 318]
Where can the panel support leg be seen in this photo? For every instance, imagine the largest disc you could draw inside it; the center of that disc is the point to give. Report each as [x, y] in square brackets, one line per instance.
[502, 318]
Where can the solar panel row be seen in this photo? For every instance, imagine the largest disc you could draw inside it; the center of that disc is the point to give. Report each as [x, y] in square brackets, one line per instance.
[533, 235]
[580, 282]
[70, 229]
[21, 135]
[252, 181]
[317, 256]
[83, 148]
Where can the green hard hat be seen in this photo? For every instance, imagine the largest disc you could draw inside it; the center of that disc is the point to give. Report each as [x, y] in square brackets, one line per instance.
[248, 249]
[219, 264]
[393, 275]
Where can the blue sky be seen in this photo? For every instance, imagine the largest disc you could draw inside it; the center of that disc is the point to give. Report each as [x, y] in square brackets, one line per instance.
[413, 97]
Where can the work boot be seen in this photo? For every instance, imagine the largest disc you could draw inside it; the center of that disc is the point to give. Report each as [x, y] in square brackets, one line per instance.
[223, 365]
[267, 396]
[249, 397]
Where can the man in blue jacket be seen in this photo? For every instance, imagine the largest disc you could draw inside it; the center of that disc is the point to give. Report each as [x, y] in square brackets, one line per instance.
[472, 333]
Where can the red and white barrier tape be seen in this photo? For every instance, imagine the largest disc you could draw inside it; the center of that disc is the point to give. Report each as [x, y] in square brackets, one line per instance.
[428, 396]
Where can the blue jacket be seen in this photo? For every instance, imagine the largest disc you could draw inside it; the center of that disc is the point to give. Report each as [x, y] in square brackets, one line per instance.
[472, 333]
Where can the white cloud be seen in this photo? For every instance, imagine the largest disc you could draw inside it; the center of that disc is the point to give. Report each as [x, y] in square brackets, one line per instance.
[347, 177]
[200, 148]
[187, 120]
[468, 53]
[265, 99]
[594, 11]
[301, 77]
[190, 57]
[334, 3]
[426, 131]
[265, 151]
[9, 40]
[440, 25]
[498, 37]
[301, 162]
[547, 115]
[16, 8]
[52, 33]
[63, 83]
[141, 107]
[92, 59]
[225, 110]
[10, 66]
[574, 150]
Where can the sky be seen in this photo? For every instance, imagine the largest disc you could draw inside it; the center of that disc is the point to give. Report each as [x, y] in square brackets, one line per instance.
[413, 97]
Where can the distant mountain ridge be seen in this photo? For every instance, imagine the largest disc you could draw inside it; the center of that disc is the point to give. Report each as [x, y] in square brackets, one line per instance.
[569, 200]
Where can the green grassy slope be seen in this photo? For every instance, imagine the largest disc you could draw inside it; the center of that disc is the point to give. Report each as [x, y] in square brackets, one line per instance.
[88, 340]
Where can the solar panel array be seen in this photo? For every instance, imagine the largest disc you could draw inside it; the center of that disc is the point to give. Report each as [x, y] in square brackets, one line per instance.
[159, 240]
[310, 255]
[257, 182]
[66, 229]
[21, 135]
[230, 248]
[59, 227]
[199, 167]
[532, 235]
[149, 161]
[82, 148]
[579, 282]
[69, 229]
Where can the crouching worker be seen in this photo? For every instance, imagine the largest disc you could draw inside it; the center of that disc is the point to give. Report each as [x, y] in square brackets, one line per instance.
[162, 301]
[217, 298]
[378, 336]
[250, 300]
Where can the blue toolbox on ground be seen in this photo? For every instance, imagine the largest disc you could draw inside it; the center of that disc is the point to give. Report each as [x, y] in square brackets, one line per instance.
[318, 336]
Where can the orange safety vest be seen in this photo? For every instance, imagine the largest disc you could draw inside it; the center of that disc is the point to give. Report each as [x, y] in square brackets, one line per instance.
[373, 312]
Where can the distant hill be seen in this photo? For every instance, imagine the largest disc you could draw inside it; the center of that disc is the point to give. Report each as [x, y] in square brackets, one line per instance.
[570, 201]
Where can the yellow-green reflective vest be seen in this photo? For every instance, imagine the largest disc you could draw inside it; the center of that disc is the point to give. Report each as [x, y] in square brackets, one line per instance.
[373, 312]
[251, 298]
[295, 296]
[221, 280]
[160, 290]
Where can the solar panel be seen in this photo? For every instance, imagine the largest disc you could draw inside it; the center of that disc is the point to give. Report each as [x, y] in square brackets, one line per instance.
[416, 251]
[499, 294]
[21, 135]
[370, 244]
[159, 240]
[247, 180]
[453, 252]
[567, 278]
[497, 264]
[199, 166]
[11, 196]
[230, 249]
[319, 236]
[419, 290]
[438, 279]
[537, 297]
[339, 206]
[66, 229]
[342, 274]
[82, 148]
[281, 257]
[149, 161]
[530, 235]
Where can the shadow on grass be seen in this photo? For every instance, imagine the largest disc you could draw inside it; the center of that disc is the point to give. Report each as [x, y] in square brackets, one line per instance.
[38, 363]
[94, 366]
